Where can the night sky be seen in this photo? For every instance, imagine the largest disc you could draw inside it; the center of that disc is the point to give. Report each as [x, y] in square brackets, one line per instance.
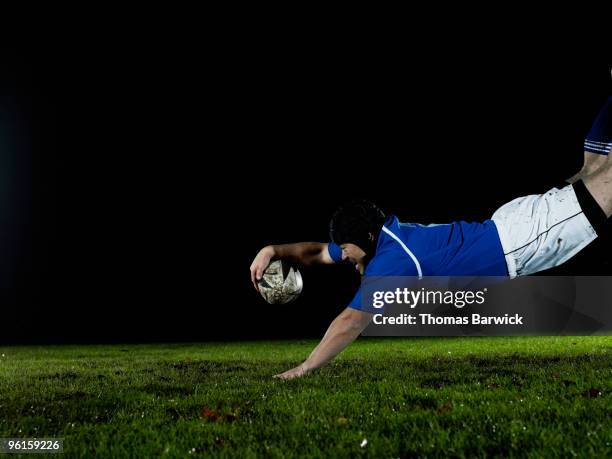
[138, 181]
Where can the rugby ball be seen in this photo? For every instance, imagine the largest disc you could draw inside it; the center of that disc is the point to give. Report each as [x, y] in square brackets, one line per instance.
[281, 283]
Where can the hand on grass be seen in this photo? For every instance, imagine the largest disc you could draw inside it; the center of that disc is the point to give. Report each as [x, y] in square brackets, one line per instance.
[293, 373]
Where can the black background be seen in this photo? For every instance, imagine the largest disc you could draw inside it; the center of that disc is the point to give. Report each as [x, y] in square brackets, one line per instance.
[141, 177]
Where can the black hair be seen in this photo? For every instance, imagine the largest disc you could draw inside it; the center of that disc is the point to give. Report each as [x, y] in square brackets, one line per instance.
[354, 222]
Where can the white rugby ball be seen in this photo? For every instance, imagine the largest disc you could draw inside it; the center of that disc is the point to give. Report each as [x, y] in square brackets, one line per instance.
[281, 283]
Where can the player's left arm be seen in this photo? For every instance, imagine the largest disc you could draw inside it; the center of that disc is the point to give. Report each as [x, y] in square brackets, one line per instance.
[341, 332]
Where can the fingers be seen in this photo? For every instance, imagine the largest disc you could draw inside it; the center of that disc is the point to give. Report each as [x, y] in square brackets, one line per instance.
[283, 375]
[290, 374]
[253, 279]
[259, 265]
[256, 275]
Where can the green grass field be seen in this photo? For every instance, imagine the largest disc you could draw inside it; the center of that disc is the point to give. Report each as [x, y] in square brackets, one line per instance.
[409, 397]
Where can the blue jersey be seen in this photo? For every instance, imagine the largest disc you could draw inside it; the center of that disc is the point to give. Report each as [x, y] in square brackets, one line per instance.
[455, 249]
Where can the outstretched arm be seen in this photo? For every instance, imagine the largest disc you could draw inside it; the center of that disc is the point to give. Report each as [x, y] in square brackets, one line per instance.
[304, 253]
[342, 332]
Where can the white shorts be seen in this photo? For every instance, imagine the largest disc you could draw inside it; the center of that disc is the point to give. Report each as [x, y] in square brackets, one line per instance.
[541, 231]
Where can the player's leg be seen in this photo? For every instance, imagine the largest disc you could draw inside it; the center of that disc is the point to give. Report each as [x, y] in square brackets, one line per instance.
[597, 144]
[599, 185]
[592, 162]
[539, 232]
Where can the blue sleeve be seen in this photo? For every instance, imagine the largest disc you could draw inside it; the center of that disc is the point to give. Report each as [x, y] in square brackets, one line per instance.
[335, 252]
[599, 138]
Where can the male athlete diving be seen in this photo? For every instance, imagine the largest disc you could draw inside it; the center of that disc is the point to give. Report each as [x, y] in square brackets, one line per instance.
[527, 235]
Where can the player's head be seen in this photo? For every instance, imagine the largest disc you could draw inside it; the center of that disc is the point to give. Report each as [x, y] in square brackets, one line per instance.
[358, 223]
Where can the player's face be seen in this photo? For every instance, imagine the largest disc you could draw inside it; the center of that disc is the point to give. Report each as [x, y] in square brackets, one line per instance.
[354, 255]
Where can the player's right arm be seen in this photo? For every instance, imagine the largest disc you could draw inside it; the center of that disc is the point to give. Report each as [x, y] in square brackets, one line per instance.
[303, 253]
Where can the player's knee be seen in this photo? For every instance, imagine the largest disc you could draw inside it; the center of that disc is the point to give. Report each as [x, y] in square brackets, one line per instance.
[593, 162]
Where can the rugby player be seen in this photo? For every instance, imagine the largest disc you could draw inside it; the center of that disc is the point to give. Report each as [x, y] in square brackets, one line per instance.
[527, 235]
